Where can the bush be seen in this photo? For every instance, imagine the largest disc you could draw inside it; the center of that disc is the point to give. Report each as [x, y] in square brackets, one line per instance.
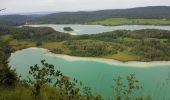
[39, 43]
[127, 91]
[46, 75]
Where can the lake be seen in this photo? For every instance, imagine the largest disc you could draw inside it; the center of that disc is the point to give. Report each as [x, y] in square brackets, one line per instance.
[93, 29]
[99, 73]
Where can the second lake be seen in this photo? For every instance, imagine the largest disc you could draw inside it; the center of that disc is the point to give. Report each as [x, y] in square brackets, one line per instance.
[93, 29]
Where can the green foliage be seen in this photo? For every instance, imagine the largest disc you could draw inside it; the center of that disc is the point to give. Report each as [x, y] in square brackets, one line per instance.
[8, 77]
[152, 49]
[148, 13]
[39, 43]
[41, 76]
[147, 45]
[46, 75]
[92, 48]
[39, 34]
[150, 33]
[16, 20]
[144, 45]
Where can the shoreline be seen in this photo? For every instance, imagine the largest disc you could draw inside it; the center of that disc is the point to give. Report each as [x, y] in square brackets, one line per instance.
[37, 24]
[102, 60]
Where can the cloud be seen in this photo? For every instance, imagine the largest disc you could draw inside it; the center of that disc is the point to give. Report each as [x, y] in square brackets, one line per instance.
[14, 6]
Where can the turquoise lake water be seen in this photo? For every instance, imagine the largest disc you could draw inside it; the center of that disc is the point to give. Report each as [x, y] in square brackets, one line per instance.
[93, 29]
[98, 75]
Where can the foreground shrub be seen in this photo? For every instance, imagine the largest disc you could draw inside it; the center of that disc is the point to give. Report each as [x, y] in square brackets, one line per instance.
[128, 90]
[47, 76]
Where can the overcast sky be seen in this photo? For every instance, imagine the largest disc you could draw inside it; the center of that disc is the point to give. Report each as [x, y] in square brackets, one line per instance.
[17, 6]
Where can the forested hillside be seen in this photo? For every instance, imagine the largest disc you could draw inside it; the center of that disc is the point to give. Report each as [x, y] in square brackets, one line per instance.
[16, 19]
[84, 17]
[156, 12]
[123, 45]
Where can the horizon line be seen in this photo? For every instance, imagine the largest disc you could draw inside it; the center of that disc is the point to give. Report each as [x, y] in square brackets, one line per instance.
[50, 12]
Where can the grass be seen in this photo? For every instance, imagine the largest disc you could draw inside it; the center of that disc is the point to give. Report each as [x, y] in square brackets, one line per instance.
[17, 93]
[126, 21]
[24, 93]
[51, 45]
[6, 37]
[122, 56]
[130, 39]
[18, 45]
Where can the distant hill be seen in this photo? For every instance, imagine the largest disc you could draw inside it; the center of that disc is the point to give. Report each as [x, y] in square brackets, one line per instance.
[16, 19]
[83, 17]
[88, 16]
[38, 13]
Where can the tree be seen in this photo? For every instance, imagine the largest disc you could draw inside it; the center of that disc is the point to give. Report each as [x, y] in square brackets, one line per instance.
[46, 75]
[8, 77]
[39, 43]
[40, 76]
[125, 92]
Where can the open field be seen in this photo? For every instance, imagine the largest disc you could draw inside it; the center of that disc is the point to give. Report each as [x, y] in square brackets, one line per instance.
[122, 56]
[126, 21]
[18, 45]
[52, 45]
[18, 93]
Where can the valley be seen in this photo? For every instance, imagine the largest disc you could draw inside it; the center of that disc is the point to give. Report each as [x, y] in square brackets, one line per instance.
[110, 54]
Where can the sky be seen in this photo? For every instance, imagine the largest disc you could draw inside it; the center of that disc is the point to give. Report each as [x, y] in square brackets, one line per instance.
[19, 6]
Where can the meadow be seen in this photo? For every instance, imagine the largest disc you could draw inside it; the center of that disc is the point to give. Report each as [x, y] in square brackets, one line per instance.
[130, 21]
